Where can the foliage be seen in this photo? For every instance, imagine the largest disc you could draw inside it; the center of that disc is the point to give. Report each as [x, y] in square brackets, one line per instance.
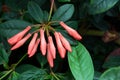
[95, 57]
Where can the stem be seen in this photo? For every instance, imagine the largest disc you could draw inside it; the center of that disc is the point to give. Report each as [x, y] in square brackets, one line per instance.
[13, 67]
[52, 29]
[6, 74]
[92, 32]
[97, 33]
[47, 31]
[51, 9]
[20, 60]
[54, 74]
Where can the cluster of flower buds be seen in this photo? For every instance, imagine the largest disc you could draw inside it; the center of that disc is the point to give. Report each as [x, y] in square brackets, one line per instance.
[45, 46]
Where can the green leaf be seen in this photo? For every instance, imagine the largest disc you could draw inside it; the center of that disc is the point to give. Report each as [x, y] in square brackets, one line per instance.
[45, 17]
[4, 56]
[113, 59]
[111, 74]
[100, 6]
[25, 67]
[80, 63]
[3, 73]
[41, 59]
[64, 0]
[97, 75]
[13, 76]
[63, 13]
[10, 16]
[38, 74]
[0, 6]
[21, 4]
[10, 28]
[16, 4]
[99, 22]
[35, 11]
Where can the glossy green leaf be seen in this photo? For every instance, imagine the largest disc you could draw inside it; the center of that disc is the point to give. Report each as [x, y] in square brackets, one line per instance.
[4, 56]
[64, 0]
[111, 74]
[10, 28]
[21, 4]
[63, 13]
[35, 11]
[13, 76]
[37, 74]
[80, 63]
[100, 6]
[25, 67]
[45, 17]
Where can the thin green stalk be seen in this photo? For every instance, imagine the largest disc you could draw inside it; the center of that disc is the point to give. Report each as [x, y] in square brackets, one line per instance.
[20, 60]
[6, 74]
[54, 74]
[51, 9]
[13, 67]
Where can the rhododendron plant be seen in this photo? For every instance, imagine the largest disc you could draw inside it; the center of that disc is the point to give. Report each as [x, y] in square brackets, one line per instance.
[50, 41]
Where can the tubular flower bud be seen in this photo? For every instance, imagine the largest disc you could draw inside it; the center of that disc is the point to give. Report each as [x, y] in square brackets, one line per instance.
[18, 36]
[71, 31]
[65, 43]
[49, 56]
[21, 42]
[32, 43]
[52, 47]
[43, 43]
[61, 49]
[35, 48]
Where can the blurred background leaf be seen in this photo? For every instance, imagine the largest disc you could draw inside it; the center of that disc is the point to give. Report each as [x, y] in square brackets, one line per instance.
[113, 59]
[111, 74]
[21, 4]
[100, 6]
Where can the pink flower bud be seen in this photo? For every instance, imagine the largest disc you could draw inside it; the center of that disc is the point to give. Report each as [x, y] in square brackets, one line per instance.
[18, 36]
[21, 42]
[43, 43]
[34, 48]
[52, 47]
[32, 43]
[71, 31]
[49, 56]
[65, 43]
[61, 49]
